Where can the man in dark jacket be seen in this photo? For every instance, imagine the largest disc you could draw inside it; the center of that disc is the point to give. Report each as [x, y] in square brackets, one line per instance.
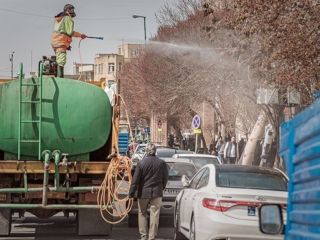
[149, 181]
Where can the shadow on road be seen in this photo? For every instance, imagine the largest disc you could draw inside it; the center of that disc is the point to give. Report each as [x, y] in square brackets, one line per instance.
[31, 228]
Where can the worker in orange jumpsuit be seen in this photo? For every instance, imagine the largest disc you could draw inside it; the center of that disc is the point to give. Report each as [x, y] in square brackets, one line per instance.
[62, 36]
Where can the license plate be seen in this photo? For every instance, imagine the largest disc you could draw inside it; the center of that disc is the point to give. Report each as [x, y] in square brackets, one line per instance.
[251, 211]
[171, 192]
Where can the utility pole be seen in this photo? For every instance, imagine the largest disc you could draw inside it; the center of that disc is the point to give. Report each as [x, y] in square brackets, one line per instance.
[11, 60]
[145, 31]
[144, 27]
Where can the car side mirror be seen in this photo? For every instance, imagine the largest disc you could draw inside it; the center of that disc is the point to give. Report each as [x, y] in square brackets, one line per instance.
[270, 219]
[185, 181]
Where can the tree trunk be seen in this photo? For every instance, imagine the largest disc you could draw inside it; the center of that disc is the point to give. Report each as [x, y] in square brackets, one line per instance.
[256, 134]
[178, 133]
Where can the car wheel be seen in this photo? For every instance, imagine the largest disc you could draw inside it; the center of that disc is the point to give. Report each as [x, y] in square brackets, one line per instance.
[192, 229]
[177, 234]
[133, 220]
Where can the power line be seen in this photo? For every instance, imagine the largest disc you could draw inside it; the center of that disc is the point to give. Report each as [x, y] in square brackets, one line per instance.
[103, 19]
[23, 13]
[51, 17]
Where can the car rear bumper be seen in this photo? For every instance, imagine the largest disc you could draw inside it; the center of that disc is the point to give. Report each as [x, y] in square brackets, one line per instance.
[215, 225]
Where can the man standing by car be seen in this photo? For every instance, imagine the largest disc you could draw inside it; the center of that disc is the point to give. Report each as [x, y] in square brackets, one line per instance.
[149, 181]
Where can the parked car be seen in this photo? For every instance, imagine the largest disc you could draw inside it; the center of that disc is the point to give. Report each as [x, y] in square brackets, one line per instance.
[167, 152]
[199, 160]
[138, 153]
[221, 201]
[176, 168]
[162, 152]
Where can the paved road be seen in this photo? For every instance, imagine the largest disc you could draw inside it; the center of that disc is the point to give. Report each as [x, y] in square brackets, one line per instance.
[59, 227]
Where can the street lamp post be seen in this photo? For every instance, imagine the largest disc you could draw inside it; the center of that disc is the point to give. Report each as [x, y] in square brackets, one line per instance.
[11, 60]
[145, 27]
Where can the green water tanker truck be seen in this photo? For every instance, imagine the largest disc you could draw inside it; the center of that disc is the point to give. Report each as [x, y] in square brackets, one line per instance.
[55, 138]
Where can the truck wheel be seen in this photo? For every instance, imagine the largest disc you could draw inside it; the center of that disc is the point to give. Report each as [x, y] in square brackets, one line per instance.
[5, 214]
[133, 220]
[90, 223]
[5, 222]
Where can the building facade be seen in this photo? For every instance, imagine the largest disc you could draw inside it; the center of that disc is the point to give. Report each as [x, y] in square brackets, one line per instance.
[84, 71]
[130, 50]
[107, 67]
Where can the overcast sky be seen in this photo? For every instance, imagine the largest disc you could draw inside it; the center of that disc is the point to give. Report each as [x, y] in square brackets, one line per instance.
[26, 27]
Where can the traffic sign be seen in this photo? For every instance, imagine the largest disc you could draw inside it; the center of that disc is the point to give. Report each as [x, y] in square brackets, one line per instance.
[159, 129]
[196, 122]
[197, 131]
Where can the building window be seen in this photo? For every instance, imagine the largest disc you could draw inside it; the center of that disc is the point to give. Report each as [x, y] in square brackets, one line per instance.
[100, 68]
[120, 67]
[135, 52]
[110, 67]
[119, 51]
[96, 69]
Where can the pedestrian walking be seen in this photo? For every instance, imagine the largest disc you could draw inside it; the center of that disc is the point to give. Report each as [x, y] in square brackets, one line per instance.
[220, 149]
[231, 151]
[62, 36]
[213, 152]
[241, 146]
[149, 181]
[218, 144]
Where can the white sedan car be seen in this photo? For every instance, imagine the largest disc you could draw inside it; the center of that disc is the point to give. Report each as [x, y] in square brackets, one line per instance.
[199, 160]
[221, 201]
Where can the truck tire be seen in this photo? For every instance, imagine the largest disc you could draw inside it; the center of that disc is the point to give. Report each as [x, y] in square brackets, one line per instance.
[5, 214]
[90, 223]
[5, 222]
[133, 220]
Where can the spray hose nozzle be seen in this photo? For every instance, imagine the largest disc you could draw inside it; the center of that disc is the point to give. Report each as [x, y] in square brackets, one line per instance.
[99, 38]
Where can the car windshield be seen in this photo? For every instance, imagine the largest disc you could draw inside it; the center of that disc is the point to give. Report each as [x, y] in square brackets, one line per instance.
[199, 162]
[165, 153]
[141, 150]
[251, 180]
[176, 170]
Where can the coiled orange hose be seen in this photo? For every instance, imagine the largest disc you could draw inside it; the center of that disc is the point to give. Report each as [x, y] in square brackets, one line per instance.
[113, 194]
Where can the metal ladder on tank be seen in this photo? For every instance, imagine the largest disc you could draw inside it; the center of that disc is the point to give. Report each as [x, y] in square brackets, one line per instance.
[38, 102]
